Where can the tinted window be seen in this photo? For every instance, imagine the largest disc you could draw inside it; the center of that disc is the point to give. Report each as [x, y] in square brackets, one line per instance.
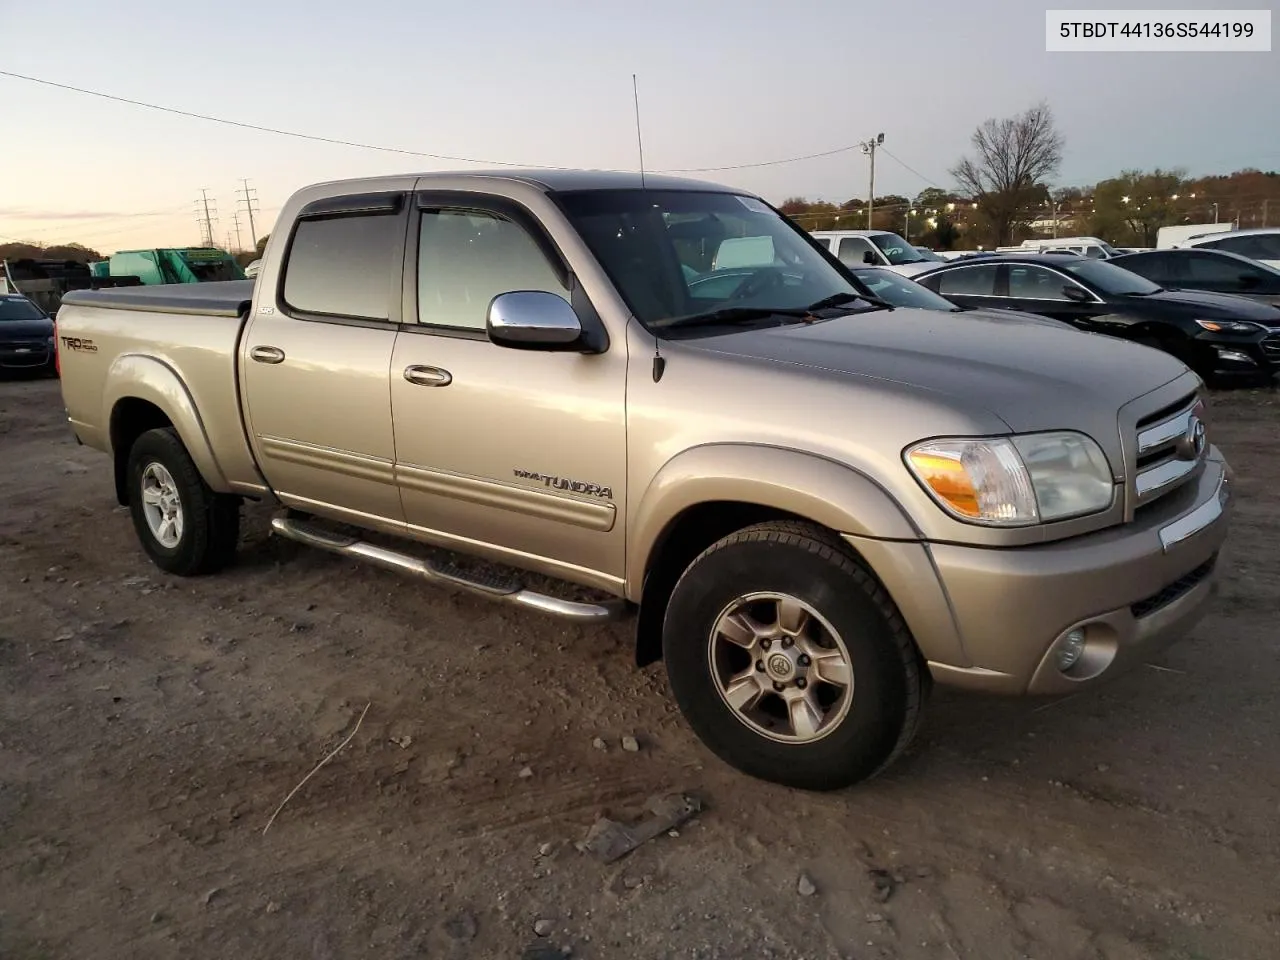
[468, 257]
[975, 281]
[1219, 271]
[1157, 267]
[853, 249]
[1261, 247]
[19, 308]
[342, 266]
[1035, 283]
[1109, 278]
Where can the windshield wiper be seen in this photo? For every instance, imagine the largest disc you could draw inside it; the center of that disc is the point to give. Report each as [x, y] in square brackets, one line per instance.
[734, 315]
[731, 315]
[840, 299]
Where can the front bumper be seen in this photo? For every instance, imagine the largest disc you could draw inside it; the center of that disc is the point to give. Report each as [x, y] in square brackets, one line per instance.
[24, 356]
[1133, 589]
[1228, 354]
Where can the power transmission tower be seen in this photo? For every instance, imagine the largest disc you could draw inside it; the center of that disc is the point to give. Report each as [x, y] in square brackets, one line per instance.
[209, 219]
[235, 220]
[249, 197]
[869, 148]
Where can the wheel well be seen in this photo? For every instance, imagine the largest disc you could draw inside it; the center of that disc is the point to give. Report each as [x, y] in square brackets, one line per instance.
[686, 536]
[130, 419]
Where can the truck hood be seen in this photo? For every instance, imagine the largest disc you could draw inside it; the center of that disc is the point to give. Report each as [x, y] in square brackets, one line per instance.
[1031, 376]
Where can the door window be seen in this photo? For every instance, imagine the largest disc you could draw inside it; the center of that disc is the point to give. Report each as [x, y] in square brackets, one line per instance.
[853, 249]
[1263, 246]
[341, 266]
[1036, 283]
[975, 281]
[1219, 271]
[468, 257]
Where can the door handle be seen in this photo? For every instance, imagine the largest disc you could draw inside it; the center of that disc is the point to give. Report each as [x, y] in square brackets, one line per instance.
[267, 354]
[428, 376]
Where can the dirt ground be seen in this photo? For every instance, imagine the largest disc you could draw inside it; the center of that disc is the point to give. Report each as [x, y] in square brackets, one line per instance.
[149, 727]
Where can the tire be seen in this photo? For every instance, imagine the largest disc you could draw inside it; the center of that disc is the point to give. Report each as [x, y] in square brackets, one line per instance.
[865, 725]
[206, 540]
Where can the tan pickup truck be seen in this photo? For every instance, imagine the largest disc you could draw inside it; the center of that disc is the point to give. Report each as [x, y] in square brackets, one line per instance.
[668, 397]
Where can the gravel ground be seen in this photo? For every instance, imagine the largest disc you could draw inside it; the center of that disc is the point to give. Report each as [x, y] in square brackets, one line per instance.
[150, 726]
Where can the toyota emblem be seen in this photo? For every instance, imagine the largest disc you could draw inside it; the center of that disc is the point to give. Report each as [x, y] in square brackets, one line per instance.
[1192, 443]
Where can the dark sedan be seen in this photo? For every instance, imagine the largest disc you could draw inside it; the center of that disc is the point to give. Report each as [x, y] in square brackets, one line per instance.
[904, 292]
[1215, 271]
[26, 335]
[1212, 333]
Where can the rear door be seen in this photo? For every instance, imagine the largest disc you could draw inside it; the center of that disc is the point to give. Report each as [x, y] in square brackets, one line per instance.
[316, 356]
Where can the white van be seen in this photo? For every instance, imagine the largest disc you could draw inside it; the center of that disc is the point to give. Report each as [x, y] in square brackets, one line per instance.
[877, 248]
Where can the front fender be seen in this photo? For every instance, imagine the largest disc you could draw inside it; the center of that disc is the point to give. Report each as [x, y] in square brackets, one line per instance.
[138, 377]
[832, 494]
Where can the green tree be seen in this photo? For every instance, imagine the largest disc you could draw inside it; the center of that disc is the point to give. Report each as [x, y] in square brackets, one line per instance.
[1136, 204]
[1014, 156]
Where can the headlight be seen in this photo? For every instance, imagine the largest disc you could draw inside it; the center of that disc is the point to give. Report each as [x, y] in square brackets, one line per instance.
[1014, 481]
[1230, 326]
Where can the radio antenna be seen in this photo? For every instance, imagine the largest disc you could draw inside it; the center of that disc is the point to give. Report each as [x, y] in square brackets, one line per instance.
[635, 92]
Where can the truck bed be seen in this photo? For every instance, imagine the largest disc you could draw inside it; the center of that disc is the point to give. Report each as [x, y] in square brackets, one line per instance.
[221, 298]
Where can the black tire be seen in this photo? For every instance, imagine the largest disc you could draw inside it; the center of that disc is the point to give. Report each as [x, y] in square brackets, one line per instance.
[211, 521]
[890, 680]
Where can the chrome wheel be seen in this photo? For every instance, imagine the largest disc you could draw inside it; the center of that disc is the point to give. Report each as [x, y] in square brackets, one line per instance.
[161, 505]
[781, 668]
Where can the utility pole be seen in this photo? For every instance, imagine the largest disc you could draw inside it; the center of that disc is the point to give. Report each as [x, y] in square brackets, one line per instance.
[208, 220]
[869, 148]
[1215, 213]
[249, 197]
[235, 219]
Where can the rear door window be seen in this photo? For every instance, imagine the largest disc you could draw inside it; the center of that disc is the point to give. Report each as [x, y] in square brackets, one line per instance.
[976, 281]
[342, 266]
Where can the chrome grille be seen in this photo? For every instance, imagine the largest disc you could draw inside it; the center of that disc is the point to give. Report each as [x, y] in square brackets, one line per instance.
[1168, 452]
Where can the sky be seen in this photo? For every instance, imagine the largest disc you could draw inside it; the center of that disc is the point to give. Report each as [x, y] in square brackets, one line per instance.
[721, 84]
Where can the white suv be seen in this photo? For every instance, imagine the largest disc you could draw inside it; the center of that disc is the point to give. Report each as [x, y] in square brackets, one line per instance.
[1261, 244]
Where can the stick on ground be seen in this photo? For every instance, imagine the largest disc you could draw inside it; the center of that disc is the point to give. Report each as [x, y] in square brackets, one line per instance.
[317, 767]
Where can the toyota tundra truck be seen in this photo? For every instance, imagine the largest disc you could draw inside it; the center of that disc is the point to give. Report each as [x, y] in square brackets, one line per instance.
[664, 396]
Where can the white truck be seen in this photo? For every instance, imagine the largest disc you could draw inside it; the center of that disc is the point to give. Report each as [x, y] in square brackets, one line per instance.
[1171, 238]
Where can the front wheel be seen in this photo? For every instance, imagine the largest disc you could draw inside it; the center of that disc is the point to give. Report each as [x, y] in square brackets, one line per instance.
[185, 527]
[790, 661]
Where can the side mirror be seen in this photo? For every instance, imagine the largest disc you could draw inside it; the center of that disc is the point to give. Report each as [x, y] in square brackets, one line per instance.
[1075, 294]
[870, 258]
[533, 320]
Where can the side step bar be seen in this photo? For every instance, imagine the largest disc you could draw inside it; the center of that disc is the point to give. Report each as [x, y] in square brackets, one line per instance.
[492, 588]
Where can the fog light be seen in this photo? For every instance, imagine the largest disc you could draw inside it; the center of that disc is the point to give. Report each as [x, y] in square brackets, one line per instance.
[1070, 648]
[1234, 356]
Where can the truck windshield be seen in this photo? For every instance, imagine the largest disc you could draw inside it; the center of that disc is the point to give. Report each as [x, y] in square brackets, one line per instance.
[18, 308]
[675, 254]
[896, 250]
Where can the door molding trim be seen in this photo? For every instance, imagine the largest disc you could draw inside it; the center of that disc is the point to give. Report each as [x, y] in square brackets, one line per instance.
[588, 514]
[356, 465]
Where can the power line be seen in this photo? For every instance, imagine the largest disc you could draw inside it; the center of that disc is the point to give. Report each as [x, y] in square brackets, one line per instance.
[385, 149]
[910, 169]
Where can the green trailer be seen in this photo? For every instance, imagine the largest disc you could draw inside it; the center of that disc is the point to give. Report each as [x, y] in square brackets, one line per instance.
[172, 265]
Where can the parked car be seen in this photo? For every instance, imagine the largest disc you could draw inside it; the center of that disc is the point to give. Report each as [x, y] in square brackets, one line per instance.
[1215, 271]
[26, 336]
[876, 248]
[1261, 244]
[800, 492]
[1211, 333]
[902, 292]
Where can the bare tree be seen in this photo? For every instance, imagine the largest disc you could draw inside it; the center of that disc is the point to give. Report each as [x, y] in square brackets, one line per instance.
[1015, 155]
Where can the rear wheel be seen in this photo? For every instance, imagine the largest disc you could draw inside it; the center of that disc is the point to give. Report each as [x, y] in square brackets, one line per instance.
[790, 661]
[185, 527]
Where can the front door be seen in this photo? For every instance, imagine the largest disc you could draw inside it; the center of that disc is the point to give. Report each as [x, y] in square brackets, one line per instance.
[316, 359]
[1041, 290]
[515, 454]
